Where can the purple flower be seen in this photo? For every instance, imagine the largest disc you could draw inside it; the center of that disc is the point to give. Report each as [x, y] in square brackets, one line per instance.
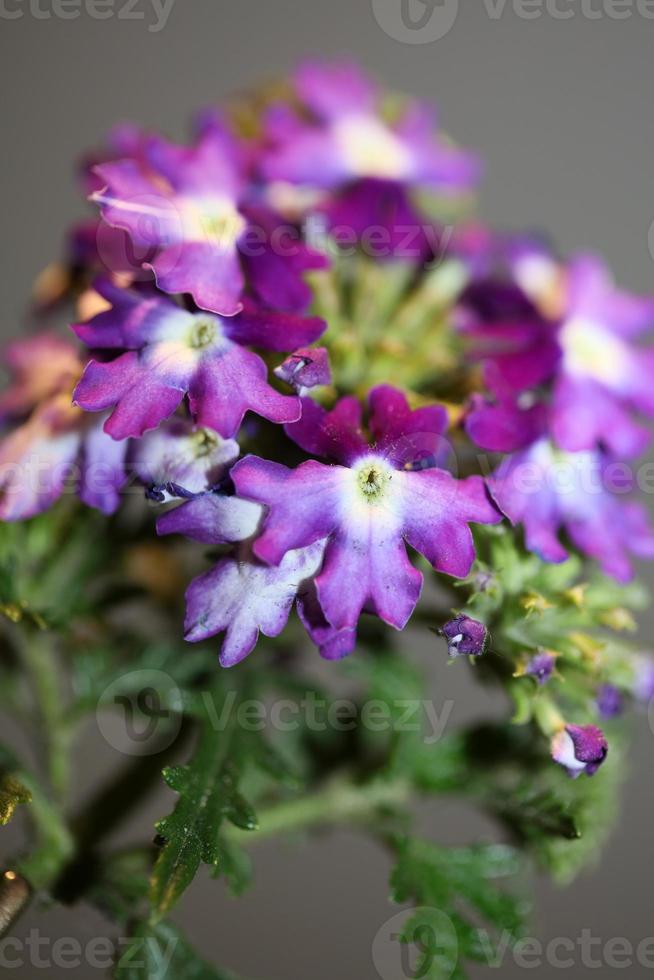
[347, 139]
[579, 341]
[178, 460]
[172, 352]
[367, 506]
[579, 748]
[548, 491]
[365, 165]
[306, 368]
[465, 636]
[541, 666]
[192, 206]
[609, 701]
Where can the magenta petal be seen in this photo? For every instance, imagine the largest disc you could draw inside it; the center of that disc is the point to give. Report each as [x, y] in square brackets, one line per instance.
[132, 201]
[504, 427]
[304, 502]
[210, 273]
[370, 569]
[230, 382]
[274, 331]
[438, 511]
[407, 437]
[332, 644]
[141, 400]
[335, 435]
[584, 414]
[212, 518]
[332, 88]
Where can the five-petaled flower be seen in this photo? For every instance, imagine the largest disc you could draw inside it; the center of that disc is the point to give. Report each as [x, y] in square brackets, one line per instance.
[172, 352]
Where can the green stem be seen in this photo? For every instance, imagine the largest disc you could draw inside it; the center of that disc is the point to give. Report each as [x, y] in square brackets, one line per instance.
[44, 673]
[341, 801]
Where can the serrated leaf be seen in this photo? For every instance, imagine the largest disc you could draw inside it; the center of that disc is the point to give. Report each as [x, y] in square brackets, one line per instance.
[208, 793]
[447, 884]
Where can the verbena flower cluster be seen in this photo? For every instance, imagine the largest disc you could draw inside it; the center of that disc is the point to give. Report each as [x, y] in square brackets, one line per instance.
[293, 326]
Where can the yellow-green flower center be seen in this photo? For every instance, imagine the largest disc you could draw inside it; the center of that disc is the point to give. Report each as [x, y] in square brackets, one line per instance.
[203, 334]
[204, 442]
[372, 480]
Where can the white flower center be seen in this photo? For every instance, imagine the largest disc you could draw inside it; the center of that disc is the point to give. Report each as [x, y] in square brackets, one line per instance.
[590, 350]
[371, 149]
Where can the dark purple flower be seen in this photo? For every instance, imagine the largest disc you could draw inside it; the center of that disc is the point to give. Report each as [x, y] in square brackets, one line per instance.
[609, 701]
[465, 637]
[306, 368]
[579, 748]
[172, 352]
[541, 666]
[547, 491]
[367, 506]
[192, 206]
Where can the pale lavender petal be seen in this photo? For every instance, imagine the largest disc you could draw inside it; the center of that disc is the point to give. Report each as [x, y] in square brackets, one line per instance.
[245, 598]
[213, 518]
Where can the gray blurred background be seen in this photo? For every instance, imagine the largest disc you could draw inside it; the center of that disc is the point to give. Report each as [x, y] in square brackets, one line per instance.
[561, 108]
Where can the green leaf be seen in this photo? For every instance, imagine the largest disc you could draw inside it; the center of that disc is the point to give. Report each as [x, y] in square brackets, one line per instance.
[161, 952]
[454, 889]
[208, 794]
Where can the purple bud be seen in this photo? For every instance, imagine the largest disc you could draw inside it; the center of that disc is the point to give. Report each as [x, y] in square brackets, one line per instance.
[541, 666]
[580, 748]
[465, 637]
[609, 701]
[306, 368]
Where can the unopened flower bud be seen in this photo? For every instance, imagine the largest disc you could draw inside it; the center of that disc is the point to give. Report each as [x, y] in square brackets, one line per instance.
[609, 701]
[541, 666]
[579, 748]
[465, 637]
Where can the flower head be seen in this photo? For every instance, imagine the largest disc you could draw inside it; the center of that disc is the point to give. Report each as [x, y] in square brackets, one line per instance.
[571, 328]
[579, 748]
[193, 206]
[366, 506]
[547, 491]
[172, 352]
